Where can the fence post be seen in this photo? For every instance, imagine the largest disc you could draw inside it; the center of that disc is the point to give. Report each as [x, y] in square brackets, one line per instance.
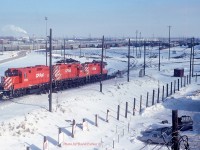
[45, 143]
[167, 91]
[126, 110]
[113, 143]
[140, 103]
[178, 84]
[73, 128]
[171, 89]
[174, 86]
[60, 137]
[96, 120]
[134, 106]
[184, 81]
[153, 97]
[187, 79]
[107, 116]
[118, 138]
[128, 126]
[196, 78]
[147, 99]
[118, 109]
[158, 101]
[181, 82]
[163, 93]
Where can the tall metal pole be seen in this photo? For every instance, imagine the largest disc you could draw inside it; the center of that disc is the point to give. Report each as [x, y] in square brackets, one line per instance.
[50, 71]
[80, 49]
[64, 52]
[190, 74]
[101, 64]
[144, 56]
[192, 57]
[128, 59]
[140, 46]
[46, 51]
[159, 57]
[46, 39]
[169, 41]
[136, 43]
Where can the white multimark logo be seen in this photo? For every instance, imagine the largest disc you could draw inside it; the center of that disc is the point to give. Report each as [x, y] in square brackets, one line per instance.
[39, 75]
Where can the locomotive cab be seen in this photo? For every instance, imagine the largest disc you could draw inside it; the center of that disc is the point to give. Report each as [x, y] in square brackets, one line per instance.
[11, 73]
[12, 76]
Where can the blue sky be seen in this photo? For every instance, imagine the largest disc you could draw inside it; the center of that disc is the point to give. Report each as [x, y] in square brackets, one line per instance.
[112, 18]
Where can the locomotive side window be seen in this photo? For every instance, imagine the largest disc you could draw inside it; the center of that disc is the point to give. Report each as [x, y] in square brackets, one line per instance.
[10, 73]
[15, 73]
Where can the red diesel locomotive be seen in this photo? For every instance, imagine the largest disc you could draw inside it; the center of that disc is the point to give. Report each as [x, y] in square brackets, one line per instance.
[35, 79]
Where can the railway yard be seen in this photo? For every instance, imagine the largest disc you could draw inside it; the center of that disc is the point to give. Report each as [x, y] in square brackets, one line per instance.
[31, 120]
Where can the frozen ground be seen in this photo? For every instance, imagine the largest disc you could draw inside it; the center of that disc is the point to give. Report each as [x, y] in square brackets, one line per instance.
[25, 121]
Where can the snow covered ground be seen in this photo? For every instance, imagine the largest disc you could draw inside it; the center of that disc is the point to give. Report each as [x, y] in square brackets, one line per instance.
[25, 121]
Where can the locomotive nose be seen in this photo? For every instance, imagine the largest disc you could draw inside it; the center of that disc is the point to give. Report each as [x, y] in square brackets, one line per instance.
[6, 83]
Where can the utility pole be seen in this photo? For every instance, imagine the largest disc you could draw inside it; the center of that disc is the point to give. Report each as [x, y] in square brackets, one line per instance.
[159, 57]
[46, 39]
[175, 138]
[64, 52]
[136, 42]
[101, 64]
[80, 49]
[129, 44]
[192, 57]
[50, 71]
[140, 46]
[190, 74]
[144, 56]
[169, 41]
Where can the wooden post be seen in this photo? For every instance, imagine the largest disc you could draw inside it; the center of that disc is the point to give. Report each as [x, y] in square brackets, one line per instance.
[163, 93]
[167, 91]
[158, 98]
[174, 86]
[178, 84]
[147, 99]
[175, 139]
[96, 120]
[184, 81]
[153, 97]
[107, 116]
[171, 89]
[187, 79]
[73, 128]
[128, 126]
[134, 106]
[126, 110]
[113, 143]
[196, 78]
[45, 144]
[118, 138]
[60, 137]
[140, 103]
[118, 109]
[181, 82]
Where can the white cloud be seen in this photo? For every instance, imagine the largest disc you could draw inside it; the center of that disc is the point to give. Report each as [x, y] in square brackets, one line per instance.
[12, 29]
